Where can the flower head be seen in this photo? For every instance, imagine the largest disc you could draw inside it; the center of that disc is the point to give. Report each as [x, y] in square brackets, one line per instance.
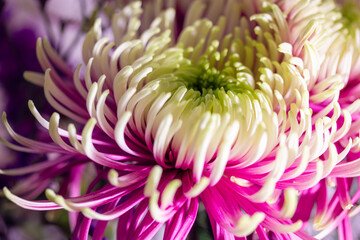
[222, 111]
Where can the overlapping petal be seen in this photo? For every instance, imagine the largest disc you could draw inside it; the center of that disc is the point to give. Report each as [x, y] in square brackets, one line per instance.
[242, 108]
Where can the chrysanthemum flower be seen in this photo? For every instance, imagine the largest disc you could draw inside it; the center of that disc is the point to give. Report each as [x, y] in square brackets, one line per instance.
[218, 111]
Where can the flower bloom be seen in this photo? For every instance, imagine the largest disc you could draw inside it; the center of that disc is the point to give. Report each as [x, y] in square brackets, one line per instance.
[222, 111]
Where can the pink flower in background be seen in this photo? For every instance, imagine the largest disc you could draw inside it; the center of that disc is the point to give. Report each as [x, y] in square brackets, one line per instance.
[233, 105]
[64, 23]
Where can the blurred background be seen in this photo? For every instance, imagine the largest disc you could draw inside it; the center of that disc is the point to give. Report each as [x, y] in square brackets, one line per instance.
[21, 23]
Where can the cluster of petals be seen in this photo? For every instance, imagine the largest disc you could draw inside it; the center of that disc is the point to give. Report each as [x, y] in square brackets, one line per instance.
[246, 107]
[331, 53]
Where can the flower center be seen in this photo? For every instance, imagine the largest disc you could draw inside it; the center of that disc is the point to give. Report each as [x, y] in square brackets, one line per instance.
[351, 15]
[205, 79]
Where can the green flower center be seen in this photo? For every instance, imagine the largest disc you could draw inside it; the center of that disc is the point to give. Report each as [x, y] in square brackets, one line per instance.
[351, 15]
[205, 78]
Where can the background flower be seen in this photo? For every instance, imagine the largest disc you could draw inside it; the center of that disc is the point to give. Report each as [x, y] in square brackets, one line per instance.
[22, 22]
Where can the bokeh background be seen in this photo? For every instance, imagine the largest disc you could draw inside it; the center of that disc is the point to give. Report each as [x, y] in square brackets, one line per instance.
[21, 23]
